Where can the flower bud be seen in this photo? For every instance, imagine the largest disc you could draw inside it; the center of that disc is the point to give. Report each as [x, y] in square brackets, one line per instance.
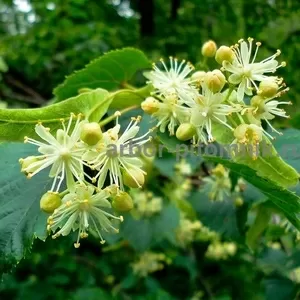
[27, 162]
[185, 131]
[256, 101]
[49, 202]
[224, 53]
[209, 49]
[268, 88]
[198, 76]
[91, 133]
[150, 105]
[215, 80]
[134, 178]
[219, 171]
[230, 248]
[238, 202]
[122, 202]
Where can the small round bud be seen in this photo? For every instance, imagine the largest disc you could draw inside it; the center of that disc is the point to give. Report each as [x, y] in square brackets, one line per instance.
[49, 202]
[209, 49]
[224, 53]
[268, 88]
[91, 133]
[198, 76]
[150, 105]
[230, 248]
[219, 171]
[134, 178]
[215, 80]
[238, 202]
[256, 101]
[122, 202]
[185, 131]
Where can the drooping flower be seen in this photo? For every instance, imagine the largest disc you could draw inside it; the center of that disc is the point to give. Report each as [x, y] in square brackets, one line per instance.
[117, 154]
[84, 211]
[209, 108]
[218, 185]
[245, 71]
[60, 152]
[175, 78]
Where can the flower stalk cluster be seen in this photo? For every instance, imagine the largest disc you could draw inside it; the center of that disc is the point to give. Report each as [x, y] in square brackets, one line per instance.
[93, 167]
[195, 104]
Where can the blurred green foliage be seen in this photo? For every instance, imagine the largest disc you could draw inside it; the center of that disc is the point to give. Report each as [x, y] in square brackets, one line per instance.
[43, 41]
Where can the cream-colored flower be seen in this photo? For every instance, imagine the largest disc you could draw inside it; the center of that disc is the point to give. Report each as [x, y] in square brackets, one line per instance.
[116, 154]
[245, 71]
[209, 108]
[60, 152]
[175, 78]
[84, 210]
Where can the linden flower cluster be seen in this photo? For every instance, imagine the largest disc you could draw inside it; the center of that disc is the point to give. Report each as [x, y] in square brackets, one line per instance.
[149, 262]
[193, 105]
[73, 153]
[221, 251]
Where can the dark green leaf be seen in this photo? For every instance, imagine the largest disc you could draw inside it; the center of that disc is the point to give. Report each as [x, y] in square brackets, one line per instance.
[109, 72]
[17, 123]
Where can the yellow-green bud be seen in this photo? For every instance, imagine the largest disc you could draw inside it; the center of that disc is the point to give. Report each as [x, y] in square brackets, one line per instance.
[224, 53]
[185, 131]
[150, 105]
[219, 171]
[49, 202]
[198, 76]
[230, 248]
[238, 202]
[215, 80]
[122, 202]
[268, 88]
[134, 178]
[209, 49]
[256, 101]
[26, 162]
[91, 133]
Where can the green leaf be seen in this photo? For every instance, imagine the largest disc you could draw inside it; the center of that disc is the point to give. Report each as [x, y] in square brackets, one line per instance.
[150, 230]
[218, 216]
[109, 72]
[286, 201]
[270, 166]
[127, 98]
[20, 213]
[17, 123]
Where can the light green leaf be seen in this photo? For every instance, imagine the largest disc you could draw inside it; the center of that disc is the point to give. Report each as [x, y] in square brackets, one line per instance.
[270, 166]
[17, 123]
[286, 201]
[126, 98]
[20, 213]
[109, 71]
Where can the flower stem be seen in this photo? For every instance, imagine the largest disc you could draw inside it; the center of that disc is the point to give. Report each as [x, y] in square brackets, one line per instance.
[112, 117]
